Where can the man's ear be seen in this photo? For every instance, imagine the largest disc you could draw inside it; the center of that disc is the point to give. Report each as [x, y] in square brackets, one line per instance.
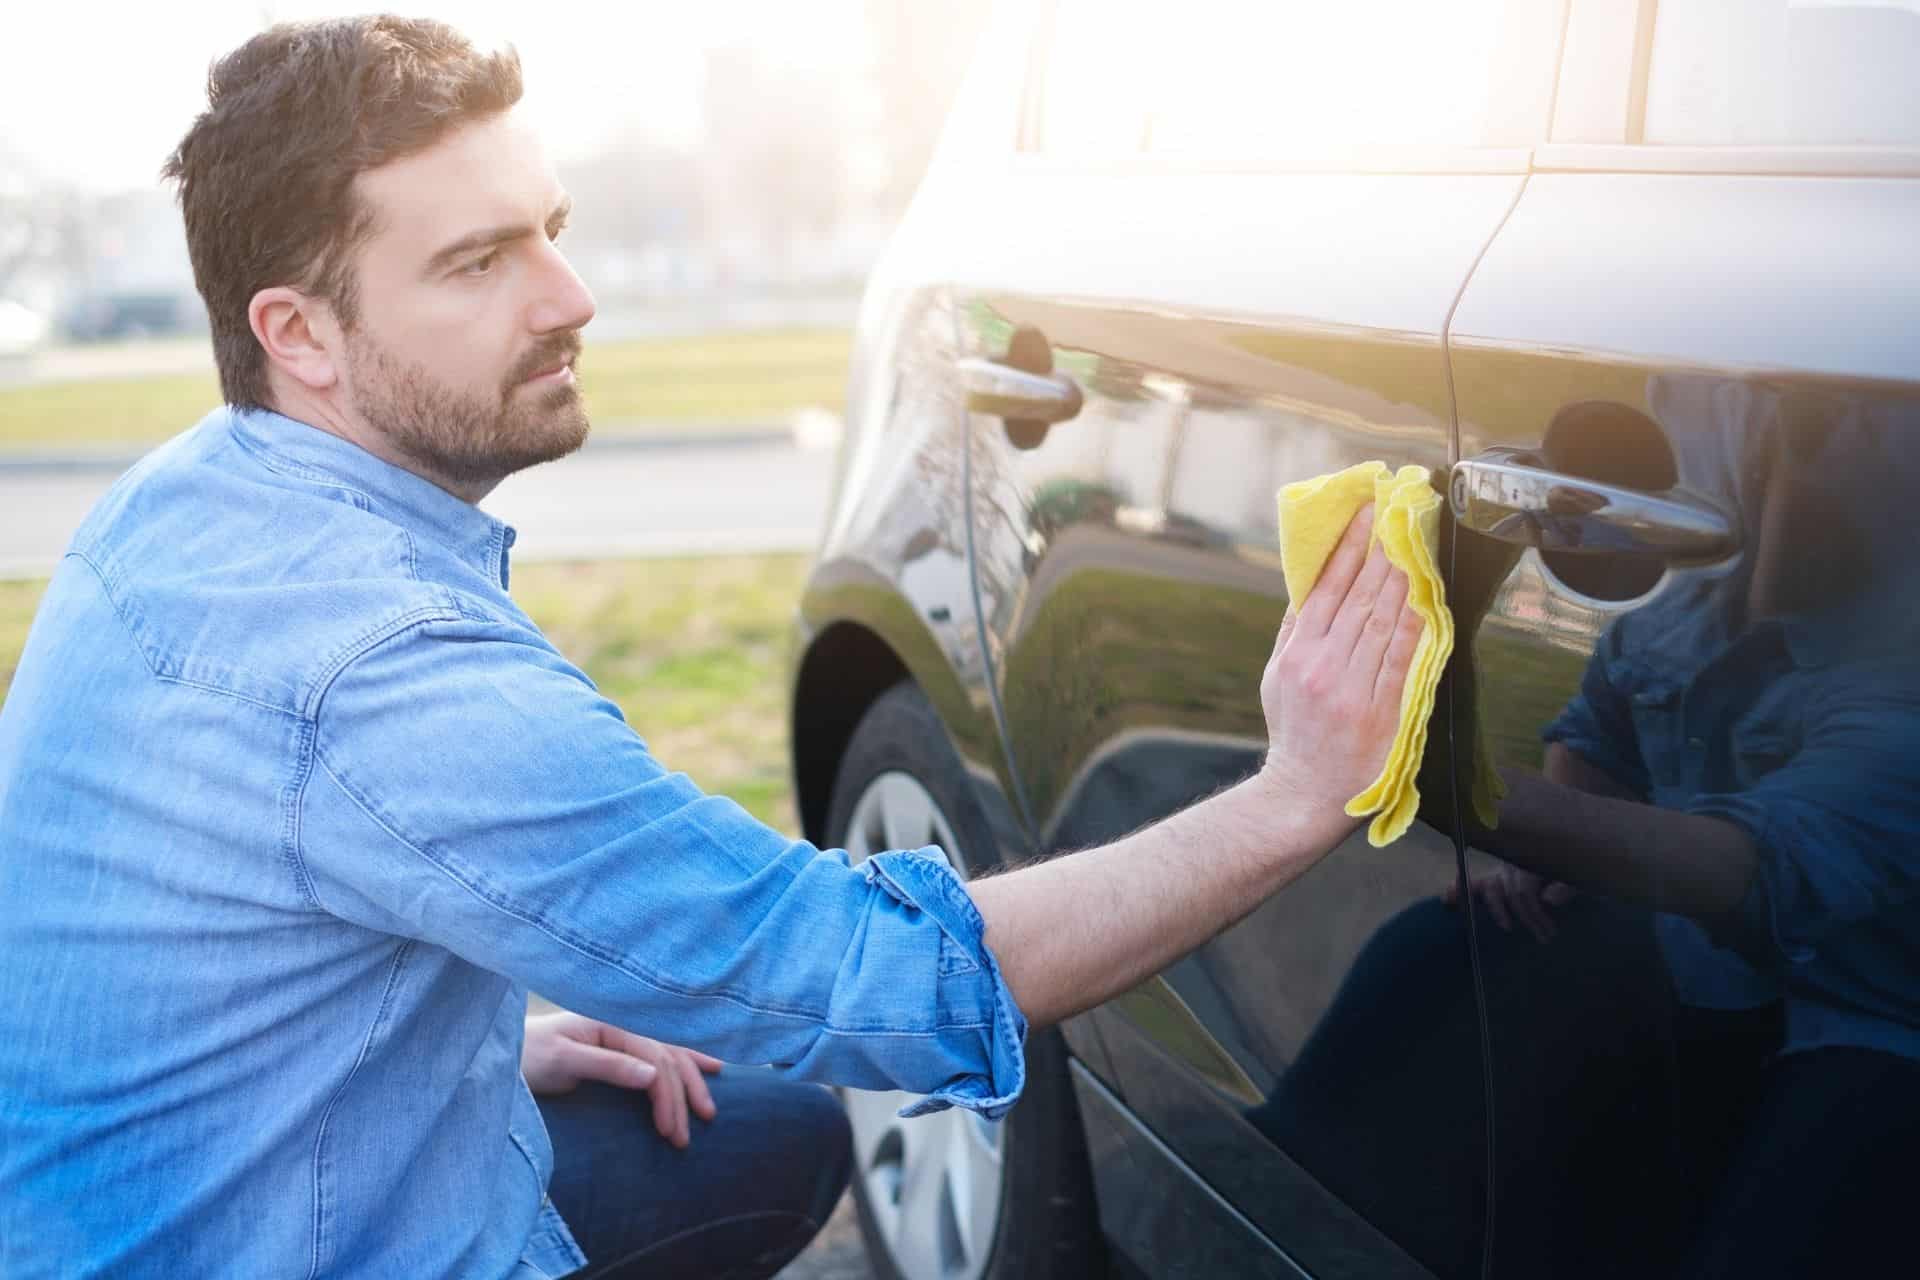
[297, 332]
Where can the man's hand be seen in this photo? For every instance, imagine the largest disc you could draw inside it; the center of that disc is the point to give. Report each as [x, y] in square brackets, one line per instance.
[1073, 932]
[562, 1049]
[1331, 691]
[1512, 893]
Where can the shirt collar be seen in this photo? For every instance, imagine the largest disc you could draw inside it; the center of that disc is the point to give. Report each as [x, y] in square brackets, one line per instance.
[289, 445]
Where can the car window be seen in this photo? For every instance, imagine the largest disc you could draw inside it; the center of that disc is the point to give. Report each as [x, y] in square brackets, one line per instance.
[1260, 79]
[1093, 100]
[1226, 79]
[1785, 73]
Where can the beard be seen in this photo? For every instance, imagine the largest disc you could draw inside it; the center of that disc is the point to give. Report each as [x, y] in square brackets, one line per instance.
[465, 439]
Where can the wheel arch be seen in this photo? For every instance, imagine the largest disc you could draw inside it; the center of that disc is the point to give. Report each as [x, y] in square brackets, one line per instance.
[845, 668]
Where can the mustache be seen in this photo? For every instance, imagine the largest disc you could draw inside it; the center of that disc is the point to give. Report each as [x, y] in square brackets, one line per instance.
[550, 352]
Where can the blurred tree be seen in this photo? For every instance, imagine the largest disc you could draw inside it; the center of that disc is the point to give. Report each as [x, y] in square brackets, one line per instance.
[45, 230]
[636, 213]
[775, 158]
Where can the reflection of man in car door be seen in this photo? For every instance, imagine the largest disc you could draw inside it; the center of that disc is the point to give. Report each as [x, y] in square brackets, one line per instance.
[1741, 758]
[1715, 1065]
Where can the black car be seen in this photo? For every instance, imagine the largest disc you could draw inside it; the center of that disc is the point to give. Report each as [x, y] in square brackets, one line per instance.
[1640, 284]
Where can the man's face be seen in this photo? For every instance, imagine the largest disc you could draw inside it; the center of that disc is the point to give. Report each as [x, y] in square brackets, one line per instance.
[468, 324]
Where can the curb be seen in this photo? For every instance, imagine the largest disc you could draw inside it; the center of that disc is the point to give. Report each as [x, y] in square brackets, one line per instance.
[615, 437]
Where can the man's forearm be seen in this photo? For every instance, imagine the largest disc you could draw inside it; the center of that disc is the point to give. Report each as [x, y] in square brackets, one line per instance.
[1686, 863]
[1079, 930]
[1075, 931]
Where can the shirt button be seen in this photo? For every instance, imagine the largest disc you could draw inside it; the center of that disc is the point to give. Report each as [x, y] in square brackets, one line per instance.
[1696, 744]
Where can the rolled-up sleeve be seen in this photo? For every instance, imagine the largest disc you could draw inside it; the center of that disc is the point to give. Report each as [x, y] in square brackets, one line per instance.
[1836, 829]
[1598, 722]
[470, 788]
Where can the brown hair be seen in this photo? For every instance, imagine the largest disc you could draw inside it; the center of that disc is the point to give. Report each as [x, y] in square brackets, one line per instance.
[266, 172]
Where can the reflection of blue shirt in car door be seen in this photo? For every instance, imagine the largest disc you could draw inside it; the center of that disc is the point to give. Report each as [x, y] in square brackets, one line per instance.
[1792, 730]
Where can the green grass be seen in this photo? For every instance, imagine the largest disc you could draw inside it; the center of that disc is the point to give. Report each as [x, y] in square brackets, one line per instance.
[737, 377]
[692, 650]
[18, 600]
[717, 379]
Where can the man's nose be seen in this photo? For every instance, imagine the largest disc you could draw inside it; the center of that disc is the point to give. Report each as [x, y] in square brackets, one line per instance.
[564, 301]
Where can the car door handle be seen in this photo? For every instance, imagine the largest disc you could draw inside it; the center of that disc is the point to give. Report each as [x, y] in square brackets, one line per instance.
[1505, 493]
[1006, 392]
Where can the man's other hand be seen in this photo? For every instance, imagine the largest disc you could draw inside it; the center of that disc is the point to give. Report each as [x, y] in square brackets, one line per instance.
[1332, 689]
[1510, 894]
[562, 1049]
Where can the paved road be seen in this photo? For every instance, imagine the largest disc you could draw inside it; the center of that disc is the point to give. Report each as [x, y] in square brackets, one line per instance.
[837, 1253]
[750, 491]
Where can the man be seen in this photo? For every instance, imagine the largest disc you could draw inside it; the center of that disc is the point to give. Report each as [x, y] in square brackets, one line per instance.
[296, 804]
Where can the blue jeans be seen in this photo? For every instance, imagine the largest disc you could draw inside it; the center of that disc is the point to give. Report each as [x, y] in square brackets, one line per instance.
[748, 1193]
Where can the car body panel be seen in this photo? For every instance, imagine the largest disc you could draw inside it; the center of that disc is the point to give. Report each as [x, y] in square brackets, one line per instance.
[892, 566]
[1129, 584]
[1235, 330]
[1761, 330]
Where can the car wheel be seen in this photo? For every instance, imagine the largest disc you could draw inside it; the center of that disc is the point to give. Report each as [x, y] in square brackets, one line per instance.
[952, 1196]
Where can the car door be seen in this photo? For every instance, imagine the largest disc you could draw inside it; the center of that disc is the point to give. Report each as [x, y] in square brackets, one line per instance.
[1689, 426]
[1223, 263]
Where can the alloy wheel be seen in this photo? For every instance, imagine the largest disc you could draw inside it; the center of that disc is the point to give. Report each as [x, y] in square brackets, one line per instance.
[933, 1183]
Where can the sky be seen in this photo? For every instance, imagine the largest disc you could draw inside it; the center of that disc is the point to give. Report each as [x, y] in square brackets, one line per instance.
[97, 92]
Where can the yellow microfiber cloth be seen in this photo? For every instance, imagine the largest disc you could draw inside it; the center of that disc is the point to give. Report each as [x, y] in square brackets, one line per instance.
[1406, 522]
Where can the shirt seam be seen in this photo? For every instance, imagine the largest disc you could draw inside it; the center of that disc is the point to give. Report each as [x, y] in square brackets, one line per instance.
[597, 954]
[109, 588]
[107, 583]
[320, 1207]
[294, 802]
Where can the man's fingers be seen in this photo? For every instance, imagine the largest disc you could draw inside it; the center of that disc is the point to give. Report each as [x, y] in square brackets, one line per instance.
[1350, 621]
[1323, 602]
[670, 1110]
[708, 1063]
[1288, 625]
[589, 1062]
[1558, 894]
[1381, 624]
[1398, 659]
[699, 1097]
[1533, 915]
[1493, 897]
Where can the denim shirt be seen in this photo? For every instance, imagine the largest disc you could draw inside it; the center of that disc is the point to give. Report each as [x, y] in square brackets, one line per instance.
[1805, 733]
[295, 807]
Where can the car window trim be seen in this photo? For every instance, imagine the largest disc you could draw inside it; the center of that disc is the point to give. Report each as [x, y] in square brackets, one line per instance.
[1774, 161]
[1372, 159]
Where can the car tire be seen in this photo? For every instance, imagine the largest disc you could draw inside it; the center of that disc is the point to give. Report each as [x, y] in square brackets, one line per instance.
[1045, 1223]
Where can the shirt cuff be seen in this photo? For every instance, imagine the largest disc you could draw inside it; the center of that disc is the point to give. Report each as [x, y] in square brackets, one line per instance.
[927, 884]
[1579, 739]
[1757, 930]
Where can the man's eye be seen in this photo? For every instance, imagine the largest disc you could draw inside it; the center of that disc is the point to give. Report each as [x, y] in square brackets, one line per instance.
[481, 265]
